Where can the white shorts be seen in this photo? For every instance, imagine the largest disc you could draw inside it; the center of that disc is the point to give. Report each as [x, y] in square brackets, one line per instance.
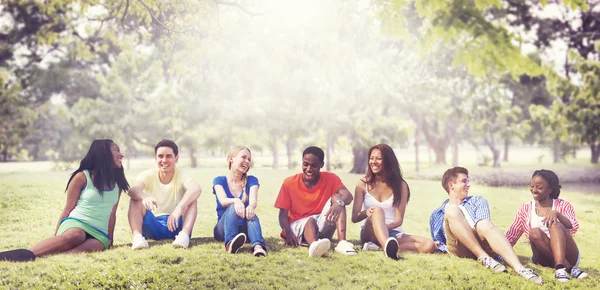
[298, 225]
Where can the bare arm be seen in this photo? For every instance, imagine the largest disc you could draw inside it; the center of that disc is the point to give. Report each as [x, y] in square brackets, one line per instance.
[112, 220]
[284, 223]
[401, 209]
[77, 184]
[253, 202]
[192, 192]
[359, 197]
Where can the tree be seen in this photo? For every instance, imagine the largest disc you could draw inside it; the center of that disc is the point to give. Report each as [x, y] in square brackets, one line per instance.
[584, 109]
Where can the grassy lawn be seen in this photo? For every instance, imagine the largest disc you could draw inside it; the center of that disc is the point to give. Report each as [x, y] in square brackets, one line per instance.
[30, 203]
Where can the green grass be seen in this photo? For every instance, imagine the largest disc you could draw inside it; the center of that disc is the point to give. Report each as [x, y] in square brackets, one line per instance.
[30, 203]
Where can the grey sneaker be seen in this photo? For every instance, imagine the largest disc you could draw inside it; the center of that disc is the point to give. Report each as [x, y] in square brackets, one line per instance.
[561, 275]
[491, 264]
[530, 275]
[578, 273]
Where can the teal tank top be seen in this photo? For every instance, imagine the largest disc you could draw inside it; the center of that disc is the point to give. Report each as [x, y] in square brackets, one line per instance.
[93, 208]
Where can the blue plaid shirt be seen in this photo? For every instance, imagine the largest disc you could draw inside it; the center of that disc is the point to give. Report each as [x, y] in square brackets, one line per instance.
[477, 207]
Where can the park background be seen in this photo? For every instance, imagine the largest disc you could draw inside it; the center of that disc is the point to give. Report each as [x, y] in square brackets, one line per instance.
[502, 87]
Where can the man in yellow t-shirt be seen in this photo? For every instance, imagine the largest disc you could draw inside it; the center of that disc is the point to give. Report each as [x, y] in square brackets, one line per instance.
[163, 201]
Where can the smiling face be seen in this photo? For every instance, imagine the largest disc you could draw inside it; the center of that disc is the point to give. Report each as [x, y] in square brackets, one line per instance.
[117, 155]
[376, 161]
[241, 161]
[311, 167]
[540, 189]
[166, 159]
[460, 187]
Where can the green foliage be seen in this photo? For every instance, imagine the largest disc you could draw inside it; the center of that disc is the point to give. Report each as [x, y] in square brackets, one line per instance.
[16, 118]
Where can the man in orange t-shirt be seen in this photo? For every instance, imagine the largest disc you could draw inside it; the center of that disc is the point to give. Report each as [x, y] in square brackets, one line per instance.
[312, 206]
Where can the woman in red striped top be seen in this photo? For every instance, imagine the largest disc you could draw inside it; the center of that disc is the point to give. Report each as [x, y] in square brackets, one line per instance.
[549, 223]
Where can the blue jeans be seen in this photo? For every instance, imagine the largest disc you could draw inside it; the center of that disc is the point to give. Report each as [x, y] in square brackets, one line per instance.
[230, 224]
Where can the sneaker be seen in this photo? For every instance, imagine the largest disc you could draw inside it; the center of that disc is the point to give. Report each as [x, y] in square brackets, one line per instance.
[391, 248]
[182, 240]
[139, 242]
[345, 247]
[370, 246]
[561, 275]
[319, 248]
[19, 255]
[259, 251]
[529, 275]
[491, 264]
[578, 273]
[236, 243]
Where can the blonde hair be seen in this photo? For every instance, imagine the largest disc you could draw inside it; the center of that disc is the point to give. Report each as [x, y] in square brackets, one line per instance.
[231, 154]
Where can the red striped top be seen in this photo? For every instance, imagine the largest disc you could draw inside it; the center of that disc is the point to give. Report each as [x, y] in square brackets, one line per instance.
[522, 225]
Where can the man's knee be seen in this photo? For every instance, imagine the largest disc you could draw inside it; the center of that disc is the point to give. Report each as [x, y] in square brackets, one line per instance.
[484, 225]
[453, 214]
[136, 207]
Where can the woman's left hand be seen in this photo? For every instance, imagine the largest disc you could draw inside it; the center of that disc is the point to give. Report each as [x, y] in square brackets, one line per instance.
[250, 212]
[550, 218]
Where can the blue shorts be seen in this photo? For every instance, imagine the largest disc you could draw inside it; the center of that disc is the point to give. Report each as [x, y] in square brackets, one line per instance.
[155, 227]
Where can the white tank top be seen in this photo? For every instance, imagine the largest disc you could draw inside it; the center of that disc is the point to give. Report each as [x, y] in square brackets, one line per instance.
[536, 221]
[387, 206]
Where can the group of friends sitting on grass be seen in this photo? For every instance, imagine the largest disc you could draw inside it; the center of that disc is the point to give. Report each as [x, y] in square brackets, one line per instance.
[311, 209]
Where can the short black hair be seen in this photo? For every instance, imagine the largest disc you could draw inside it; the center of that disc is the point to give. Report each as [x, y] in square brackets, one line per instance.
[314, 150]
[167, 143]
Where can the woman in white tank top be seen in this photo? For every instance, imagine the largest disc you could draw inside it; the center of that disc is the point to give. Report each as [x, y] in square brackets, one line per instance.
[380, 199]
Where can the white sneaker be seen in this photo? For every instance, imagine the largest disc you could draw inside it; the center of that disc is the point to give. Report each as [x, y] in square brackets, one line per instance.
[345, 247]
[182, 240]
[139, 242]
[530, 275]
[578, 273]
[561, 275]
[319, 248]
[370, 246]
[491, 264]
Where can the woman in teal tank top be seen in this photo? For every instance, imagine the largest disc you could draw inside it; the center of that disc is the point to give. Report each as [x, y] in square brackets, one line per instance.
[87, 221]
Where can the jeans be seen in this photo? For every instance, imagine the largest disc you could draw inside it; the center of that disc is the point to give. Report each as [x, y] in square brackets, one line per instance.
[230, 224]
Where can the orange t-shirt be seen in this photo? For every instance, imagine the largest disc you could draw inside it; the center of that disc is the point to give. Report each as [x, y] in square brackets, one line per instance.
[300, 201]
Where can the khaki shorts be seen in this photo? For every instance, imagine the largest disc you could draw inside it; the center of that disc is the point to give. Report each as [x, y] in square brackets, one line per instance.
[458, 249]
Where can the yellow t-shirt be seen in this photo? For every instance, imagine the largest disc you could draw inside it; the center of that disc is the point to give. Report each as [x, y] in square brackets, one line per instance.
[167, 195]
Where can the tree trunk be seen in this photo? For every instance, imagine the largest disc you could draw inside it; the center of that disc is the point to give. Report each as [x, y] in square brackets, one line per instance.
[496, 154]
[506, 145]
[361, 159]
[194, 158]
[440, 153]
[556, 150]
[5, 154]
[275, 151]
[329, 149]
[454, 153]
[417, 149]
[491, 143]
[595, 152]
[289, 146]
